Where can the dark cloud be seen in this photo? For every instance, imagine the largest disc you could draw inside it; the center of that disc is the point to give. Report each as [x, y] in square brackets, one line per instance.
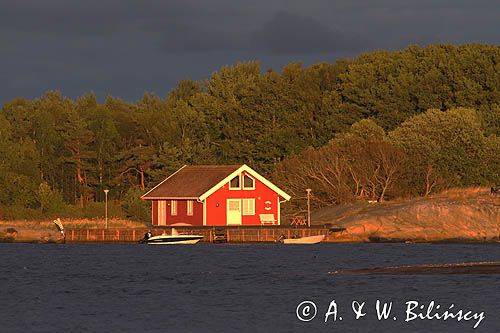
[196, 39]
[177, 26]
[442, 5]
[199, 36]
[124, 47]
[289, 32]
[56, 16]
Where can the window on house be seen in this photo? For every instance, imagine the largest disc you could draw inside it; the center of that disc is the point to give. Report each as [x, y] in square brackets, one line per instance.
[234, 184]
[173, 207]
[249, 206]
[248, 182]
[190, 207]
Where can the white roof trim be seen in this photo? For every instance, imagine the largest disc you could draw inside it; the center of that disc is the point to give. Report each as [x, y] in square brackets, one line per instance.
[246, 168]
[142, 196]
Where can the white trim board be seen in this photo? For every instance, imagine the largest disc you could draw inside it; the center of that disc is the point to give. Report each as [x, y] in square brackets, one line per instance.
[204, 212]
[254, 173]
[279, 211]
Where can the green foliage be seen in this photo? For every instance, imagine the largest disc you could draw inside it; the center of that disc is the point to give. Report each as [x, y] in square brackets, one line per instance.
[358, 164]
[365, 129]
[50, 201]
[134, 207]
[431, 151]
[95, 210]
[243, 115]
[446, 149]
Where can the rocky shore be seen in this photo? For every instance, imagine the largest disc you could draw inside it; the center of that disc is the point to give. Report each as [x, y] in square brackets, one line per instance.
[12, 235]
[45, 231]
[460, 215]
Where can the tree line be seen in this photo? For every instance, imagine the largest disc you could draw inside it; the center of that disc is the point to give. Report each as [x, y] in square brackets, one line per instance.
[427, 153]
[57, 151]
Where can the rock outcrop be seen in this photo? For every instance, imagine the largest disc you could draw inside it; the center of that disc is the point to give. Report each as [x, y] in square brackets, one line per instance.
[455, 215]
[12, 235]
[8, 235]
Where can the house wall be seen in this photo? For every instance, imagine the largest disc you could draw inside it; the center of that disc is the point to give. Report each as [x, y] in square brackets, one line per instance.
[216, 207]
[181, 217]
[154, 211]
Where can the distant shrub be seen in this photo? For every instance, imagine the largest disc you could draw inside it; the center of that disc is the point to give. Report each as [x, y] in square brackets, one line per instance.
[134, 207]
[18, 212]
[54, 206]
[51, 201]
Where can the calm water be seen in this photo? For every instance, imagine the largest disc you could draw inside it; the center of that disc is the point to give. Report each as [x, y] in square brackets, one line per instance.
[219, 288]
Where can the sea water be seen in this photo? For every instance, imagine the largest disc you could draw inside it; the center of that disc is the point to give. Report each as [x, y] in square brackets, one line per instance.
[243, 288]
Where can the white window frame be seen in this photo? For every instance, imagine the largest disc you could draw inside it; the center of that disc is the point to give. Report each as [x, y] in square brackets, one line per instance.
[243, 182]
[189, 207]
[248, 206]
[235, 188]
[173, 207]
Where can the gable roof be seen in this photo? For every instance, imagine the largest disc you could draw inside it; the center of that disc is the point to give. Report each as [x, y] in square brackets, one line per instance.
[190, 181]
[200, 181]
[252, 172]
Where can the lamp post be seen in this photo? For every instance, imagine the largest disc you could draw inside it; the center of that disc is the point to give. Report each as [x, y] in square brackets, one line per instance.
[308, 190]
[106, 213]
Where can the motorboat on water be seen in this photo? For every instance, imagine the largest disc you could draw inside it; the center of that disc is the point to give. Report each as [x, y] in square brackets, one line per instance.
[174, 238]
[301, 240]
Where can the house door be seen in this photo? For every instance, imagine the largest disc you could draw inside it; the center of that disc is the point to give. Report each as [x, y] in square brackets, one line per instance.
[162, 212]
[234, 211]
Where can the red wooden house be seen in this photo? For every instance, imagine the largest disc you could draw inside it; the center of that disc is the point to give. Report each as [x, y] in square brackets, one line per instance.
[216, 195]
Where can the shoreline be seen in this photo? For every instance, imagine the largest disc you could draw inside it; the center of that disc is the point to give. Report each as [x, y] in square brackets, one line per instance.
[461, 216]
[233, 235]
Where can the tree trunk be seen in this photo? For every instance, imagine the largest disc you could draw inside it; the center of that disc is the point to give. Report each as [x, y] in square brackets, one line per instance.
[429, 184]
[143, 187]
[81, 181]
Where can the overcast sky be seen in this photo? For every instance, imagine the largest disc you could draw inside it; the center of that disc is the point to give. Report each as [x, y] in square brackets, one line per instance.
[126, 47]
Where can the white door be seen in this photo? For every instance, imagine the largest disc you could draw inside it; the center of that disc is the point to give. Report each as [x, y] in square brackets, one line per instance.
[162, 212]
[233, 211]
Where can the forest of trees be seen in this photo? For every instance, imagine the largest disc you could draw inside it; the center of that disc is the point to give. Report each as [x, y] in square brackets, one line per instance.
[428, 152]
[382, 125]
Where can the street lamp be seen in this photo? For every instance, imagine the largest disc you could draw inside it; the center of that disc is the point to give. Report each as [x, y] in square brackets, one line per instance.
[106, 216]
[308, 190]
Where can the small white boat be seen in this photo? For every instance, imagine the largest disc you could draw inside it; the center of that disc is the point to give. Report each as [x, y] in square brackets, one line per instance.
[302, 240]
[174, 238]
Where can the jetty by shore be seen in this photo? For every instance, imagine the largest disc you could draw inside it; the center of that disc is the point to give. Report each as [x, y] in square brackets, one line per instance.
[210, 234]
[264, 234]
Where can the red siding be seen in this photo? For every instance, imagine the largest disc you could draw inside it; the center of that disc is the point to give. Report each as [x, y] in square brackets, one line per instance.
[216, 204]
[181, 217]
[154, 207]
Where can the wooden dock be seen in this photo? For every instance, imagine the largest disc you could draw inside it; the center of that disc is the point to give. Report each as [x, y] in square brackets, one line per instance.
[265, 234]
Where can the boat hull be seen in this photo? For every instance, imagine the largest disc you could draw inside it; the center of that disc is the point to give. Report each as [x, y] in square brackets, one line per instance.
[304, 240]
[173, 240]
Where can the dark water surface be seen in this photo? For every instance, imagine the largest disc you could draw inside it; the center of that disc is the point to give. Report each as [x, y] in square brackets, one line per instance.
[246, 288]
